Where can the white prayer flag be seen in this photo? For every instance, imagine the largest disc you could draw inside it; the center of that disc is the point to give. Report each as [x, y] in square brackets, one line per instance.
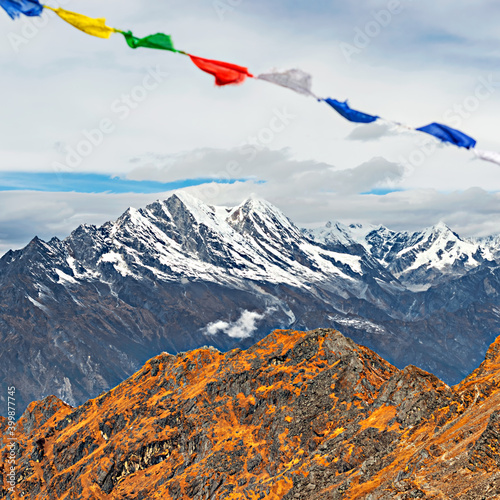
[491, 156]
[295, 79]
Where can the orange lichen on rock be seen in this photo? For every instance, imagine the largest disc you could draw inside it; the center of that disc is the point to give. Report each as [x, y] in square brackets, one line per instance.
[380, 419]
[300, 415]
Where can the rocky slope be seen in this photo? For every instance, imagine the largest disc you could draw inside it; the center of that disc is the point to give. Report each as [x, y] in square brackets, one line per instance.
[78, 316]
[298, 416]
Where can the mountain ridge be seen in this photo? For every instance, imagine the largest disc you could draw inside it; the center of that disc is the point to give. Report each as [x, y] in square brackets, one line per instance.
[298, 415]
[411, 255]
[178, 274]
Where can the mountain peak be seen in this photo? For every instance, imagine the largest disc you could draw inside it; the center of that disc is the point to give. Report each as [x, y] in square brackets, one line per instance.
[441, 225]
[190, 202]
[309, 415]
[36, 242]
[259, 205]
[441, 228]
[181, 203]
[338, 233]
[262, 218]
[187, 198]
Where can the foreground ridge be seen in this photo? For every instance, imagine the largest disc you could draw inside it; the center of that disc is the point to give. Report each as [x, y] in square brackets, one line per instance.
[309, 415]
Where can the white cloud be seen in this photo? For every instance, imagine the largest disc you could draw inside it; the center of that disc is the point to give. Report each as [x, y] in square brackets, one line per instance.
[240, 329]
[372, 132]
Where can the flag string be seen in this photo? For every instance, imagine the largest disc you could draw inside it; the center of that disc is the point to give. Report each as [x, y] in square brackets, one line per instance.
[226, 73]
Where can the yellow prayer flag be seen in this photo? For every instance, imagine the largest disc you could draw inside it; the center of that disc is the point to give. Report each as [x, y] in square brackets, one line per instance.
[89, 25]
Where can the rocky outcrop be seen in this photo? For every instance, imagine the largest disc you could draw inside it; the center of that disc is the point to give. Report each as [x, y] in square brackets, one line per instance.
[300, 415]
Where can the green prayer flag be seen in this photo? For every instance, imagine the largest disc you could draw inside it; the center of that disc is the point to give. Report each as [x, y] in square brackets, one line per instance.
[157, 41]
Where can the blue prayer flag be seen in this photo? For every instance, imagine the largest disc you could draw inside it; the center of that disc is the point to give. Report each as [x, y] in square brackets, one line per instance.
[348, 113]
[448, 134]
[16, 7]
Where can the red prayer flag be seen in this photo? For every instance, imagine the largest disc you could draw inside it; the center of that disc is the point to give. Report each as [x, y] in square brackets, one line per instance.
[225, 73]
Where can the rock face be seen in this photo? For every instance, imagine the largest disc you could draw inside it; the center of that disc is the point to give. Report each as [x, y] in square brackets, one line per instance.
[79, 316]
[297, 416]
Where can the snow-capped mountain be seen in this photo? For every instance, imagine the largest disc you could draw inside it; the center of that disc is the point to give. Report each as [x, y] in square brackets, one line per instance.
[79, 315]
[417, 259]
[182, 238]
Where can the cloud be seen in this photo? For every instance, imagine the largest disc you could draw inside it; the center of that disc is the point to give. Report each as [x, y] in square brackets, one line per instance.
[378, 172]
[371, 132]
[276, 169]
[246, 162]
[240, 329]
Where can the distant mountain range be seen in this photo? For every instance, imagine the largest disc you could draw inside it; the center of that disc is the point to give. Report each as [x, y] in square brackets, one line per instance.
[419, 260]
[299, 415]
[80, 315]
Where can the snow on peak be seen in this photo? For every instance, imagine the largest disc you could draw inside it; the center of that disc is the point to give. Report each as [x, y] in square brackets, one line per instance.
[441, 228]
[337, 232]
[436, 247]
[263, 217]
[188, 200]
[332, 232]
[359, 232]
[177, 206]
[199, 209]
[257, 205]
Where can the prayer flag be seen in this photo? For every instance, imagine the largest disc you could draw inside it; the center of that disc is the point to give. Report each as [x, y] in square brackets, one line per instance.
[225, 73]
[15, 8]
[157, 41]
[350, 114]
[89, 25]
[294, 79]
[491, 156]
[448, 134]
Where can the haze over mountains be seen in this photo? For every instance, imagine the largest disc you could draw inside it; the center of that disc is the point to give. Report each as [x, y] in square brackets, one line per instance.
[80, 315]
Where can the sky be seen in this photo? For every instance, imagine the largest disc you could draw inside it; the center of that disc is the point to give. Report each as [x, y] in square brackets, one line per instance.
[91, 127]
